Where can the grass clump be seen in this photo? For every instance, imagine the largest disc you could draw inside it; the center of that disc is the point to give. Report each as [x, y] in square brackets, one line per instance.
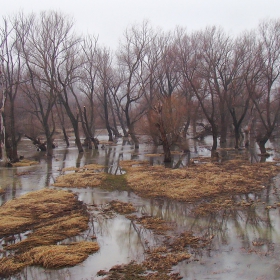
[158, 225]
[48, 216]
[198, 181]
[90, 175]
[114, 182]
[122, 207]
[24, 162]
[54, 256]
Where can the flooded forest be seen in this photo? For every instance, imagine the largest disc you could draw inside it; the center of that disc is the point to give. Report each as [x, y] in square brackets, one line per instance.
[158, 160]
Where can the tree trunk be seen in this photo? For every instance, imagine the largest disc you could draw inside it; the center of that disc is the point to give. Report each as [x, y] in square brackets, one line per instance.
[133, 136]
[14, 153]
[261, 144]
[236, 136]
[215, 141]
[77, 136]
[65, 136]
[49, 147]
[223, 131]
[37, 142]
[167, 152]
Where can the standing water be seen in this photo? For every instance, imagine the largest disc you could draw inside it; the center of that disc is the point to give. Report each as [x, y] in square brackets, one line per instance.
[245, 245]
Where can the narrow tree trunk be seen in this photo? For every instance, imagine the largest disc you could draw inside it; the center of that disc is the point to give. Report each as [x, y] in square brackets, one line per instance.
[223, 131]
[215, 141]
[5, 159]
[49, 147]
[65, 136]
[133, 136]
[14, 153]
[236, 136]
[77, 136]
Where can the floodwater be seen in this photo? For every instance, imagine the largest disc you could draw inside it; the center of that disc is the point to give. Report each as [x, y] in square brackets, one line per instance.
[232, 254]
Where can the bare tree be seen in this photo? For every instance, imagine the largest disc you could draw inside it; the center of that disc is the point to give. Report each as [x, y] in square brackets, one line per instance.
[88, 85]
[131, 59]
[238, 98]
[262, 80]
[44, 44]
[105, 74]
[195, 71]
[68, 77]
[12, 78]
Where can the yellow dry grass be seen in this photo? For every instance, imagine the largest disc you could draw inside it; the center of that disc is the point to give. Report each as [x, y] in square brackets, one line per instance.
[54, 256]
[199, 180]
[50, 216]
[158, 225]
[122, 207]
[19, 214]
[90, 175]
[153, 155]
[24, 162]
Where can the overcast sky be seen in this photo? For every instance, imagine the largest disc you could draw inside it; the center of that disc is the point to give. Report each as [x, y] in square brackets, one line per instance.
[109, 18]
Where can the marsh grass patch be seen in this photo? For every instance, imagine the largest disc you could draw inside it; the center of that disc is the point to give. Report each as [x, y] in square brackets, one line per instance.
[158, 225]
[48, 216]
[123, 208]
[198, 181]
[25, 162]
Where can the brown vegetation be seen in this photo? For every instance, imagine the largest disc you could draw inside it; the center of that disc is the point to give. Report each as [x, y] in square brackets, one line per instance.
[198, 181]
[49, 216]
[158, 225]
[24, 162]
[159, 260]
[87, 176]
[122, 207]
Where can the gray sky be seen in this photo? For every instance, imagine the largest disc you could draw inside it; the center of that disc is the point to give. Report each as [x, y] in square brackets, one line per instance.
[109, 18]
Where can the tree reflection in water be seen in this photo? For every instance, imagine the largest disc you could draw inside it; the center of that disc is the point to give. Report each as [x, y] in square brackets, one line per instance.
[245, 244]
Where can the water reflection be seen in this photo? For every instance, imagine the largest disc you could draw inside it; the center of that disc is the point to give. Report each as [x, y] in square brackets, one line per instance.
[246, 242]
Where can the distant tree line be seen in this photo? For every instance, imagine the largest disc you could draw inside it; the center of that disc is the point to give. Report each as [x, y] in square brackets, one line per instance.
[158, 83]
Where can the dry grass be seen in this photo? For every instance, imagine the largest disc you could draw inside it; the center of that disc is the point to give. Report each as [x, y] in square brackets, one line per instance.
[50, 216]
[24, 162]
[90, 175]
[199, 180]
[20, 214]
[159, 260]
[122, 207]
[158, 225]
[54, 256]
[153, 155]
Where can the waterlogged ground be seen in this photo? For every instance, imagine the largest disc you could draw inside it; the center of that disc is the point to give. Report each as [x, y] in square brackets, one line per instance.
[245, 243]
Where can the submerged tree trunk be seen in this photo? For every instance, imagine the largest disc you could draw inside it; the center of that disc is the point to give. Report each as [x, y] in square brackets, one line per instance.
[261, 143]
[37, 142]
[65, 136]
[215, 140]
[133, 136]
[77, 134]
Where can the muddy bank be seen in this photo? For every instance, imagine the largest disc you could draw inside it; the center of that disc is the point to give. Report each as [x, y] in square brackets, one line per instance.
[33, 224]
